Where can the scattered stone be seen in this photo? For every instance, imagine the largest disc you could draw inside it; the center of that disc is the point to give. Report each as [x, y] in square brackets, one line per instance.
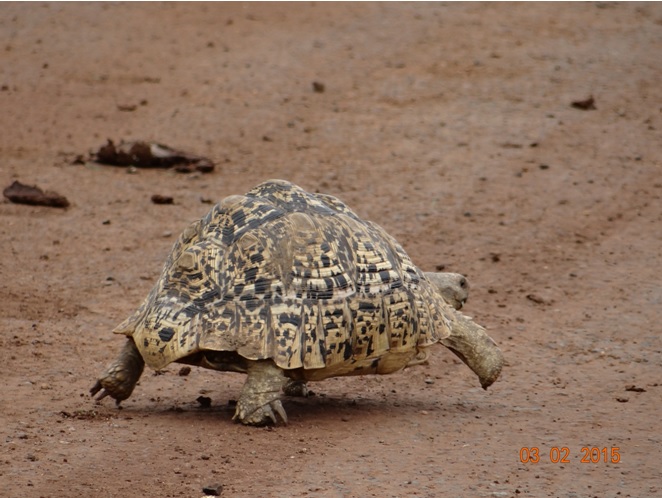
[151, 155]
[80, 414]
[429, 380]
[204, 401]
[184, 371]
[585, 105]
[204, 166]
[622, 399]
[19, 193]
[162, 199]
[127, 107]
[318, 87]
[537, 299]
[213, 489]
[635, 389]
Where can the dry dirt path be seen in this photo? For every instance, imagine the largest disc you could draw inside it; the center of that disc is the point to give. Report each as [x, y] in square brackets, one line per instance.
[450, 125]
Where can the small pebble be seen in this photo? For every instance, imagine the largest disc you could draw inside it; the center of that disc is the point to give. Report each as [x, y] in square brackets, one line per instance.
[205, 401]
[213, 490]
[162, 199]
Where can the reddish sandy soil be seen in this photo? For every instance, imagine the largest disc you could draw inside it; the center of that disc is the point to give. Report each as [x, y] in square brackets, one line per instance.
[451, 125]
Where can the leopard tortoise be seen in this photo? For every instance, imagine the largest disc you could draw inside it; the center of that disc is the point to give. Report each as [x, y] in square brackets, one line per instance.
[288, 287]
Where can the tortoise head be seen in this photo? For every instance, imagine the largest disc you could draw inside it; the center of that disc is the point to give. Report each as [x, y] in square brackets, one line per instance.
[453, 287]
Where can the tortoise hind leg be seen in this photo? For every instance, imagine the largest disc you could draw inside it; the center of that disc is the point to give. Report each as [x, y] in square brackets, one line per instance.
[297, 388]
[260, 396]
[121, 376]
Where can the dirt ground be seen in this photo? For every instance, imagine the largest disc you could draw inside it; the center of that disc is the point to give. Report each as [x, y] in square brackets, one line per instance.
[450, 125]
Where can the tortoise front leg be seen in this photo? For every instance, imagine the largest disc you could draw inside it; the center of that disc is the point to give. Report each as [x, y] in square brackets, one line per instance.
[260, 396]
[121, 376]
[475, 348]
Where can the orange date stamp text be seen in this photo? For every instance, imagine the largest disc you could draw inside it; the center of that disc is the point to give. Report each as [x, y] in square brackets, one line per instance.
[562, 454]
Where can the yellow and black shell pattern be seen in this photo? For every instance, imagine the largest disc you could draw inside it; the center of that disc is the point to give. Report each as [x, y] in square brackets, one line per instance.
[291, 276]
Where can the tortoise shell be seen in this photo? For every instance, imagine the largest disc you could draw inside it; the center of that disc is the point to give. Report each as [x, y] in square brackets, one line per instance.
[291, 276]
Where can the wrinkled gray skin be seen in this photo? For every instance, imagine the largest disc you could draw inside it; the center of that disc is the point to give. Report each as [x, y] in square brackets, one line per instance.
[453, 286]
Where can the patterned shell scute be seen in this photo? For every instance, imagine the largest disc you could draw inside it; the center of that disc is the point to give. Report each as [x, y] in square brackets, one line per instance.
[284, 274]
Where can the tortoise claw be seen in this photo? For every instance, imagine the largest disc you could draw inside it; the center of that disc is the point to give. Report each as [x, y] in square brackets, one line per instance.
[259, 402]
[96, 388]
[105, 392]
[121, 376]
[261, 415]
[278, 406]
